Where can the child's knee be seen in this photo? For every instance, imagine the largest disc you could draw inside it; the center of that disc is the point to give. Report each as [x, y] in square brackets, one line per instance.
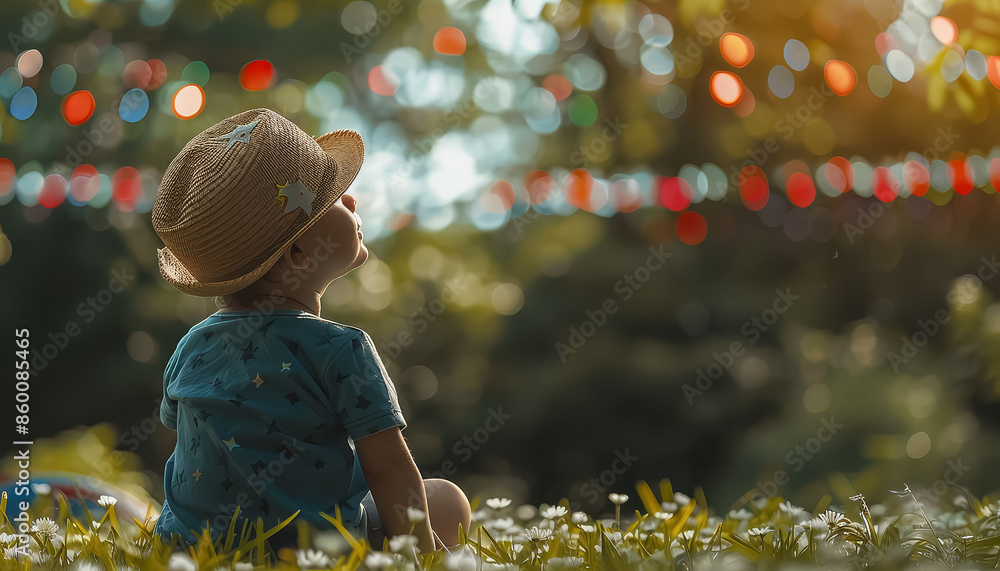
[446, 496]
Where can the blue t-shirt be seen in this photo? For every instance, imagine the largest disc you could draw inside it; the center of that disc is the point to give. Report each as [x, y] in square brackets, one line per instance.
[267, 407]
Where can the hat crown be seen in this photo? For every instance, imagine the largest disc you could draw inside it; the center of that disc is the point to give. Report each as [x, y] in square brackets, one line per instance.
[239, 191]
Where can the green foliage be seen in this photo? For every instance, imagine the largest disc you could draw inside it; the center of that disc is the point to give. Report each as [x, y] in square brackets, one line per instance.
[767, 533]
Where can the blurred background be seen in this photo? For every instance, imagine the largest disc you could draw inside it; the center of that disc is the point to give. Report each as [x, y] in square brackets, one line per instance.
[744, 245]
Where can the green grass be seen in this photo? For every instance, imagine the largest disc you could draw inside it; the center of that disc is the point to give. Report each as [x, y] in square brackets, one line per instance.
[671, 531]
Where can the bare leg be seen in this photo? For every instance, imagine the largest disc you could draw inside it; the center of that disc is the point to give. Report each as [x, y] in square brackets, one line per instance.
[448, 507]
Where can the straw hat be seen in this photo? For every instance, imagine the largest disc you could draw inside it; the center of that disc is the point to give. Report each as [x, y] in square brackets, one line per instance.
[240, 192]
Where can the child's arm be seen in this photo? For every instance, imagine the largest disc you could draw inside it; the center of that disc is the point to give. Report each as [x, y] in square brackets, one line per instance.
[395, 483]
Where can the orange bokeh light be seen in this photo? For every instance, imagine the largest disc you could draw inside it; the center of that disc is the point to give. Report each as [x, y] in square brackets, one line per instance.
[579, 184]
[726, 88]
[944, 29]
[916, 178]
[558, 85]
[840, 76]
[449, 41]
[736, 49]
[78, 107]
[884, 184]
[381, 82]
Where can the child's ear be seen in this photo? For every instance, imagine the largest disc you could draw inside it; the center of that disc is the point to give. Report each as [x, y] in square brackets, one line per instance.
[295, 257]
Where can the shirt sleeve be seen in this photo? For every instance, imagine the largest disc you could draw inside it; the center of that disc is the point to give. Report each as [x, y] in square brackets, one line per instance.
[362, 394]
[168, 406]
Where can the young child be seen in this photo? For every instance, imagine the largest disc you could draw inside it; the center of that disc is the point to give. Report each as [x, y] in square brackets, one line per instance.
[276, 409]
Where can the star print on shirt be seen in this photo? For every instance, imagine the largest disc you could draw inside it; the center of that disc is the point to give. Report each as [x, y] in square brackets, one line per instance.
[273, 427]
[226, 484]
[285, 366]
[197, 474]
[363, 402]
[240, 399]
[292, 398]
[319, 464]
[240, 134]
[197, 360]
[257, 381]
[217, 383]
[231, 443]
[259, 466]
[295, 195]
[248, 352]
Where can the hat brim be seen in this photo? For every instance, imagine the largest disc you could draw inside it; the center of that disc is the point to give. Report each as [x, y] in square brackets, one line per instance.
[347, 149]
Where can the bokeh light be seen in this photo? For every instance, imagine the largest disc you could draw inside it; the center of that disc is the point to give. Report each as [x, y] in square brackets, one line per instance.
[137, 74]
[126, 188]
[382, 81]
[134, 106]
[781, 82]
[63, 79]
[188, 102]
[196, 72]
[257, 75]
[840, 76]
[944, 29]
[885, 185]
[916, 178]
[582, 110]
[800, 189]
[23, 104]
[691, 228]
[675, 193]
[29, 63]
[558, 85]
[960, 176]
[796, 55]
[158, 74]
[736, 49]
[53, 191]
[726, 88]
[78, 107]
[449, 41]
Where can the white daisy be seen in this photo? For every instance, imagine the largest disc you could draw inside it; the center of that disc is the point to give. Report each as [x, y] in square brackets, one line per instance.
[403, 542]
[686, 535]
[791, 510]
[618, 499]
[461, 559]
[741, 514]
[579, 517]
[554, 512]
[587, 528]
[181, 562]
[415, 515]
[760, 530]
[681, 498]
[378, 560]
[502, 523]
[663, 515]
[311, 559]
[833, 519]
[107, 501]
[498, 503]
[45, 526]
[479, 515]
[538, 534]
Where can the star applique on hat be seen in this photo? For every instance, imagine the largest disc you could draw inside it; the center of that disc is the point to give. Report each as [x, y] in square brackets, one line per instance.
[240, 134]
[295, 195]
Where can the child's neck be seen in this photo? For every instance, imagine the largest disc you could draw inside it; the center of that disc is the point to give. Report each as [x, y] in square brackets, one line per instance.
[305, 301]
